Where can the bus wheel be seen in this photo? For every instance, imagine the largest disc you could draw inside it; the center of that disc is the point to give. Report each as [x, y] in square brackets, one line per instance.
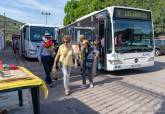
[157, 52]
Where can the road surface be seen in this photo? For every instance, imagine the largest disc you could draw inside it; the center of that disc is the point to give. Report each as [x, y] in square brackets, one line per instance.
[138, 91]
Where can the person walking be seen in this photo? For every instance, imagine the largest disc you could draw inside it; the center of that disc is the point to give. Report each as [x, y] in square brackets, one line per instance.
[15, 46]
[96, 58]
[45, 57]
[82, 38]
[89, 55]
[64, 57]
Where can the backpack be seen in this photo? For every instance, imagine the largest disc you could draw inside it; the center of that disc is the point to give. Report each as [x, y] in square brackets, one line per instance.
[89, 58]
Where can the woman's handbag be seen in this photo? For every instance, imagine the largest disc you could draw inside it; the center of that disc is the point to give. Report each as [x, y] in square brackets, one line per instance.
[53, 74]
[59, 64]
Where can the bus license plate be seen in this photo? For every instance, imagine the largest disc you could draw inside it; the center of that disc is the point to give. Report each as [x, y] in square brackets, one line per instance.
[135, 66]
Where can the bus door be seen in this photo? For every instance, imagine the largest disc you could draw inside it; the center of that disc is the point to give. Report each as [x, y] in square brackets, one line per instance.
[104, 35]
[23, 40]
[108, 39]
[101, 33]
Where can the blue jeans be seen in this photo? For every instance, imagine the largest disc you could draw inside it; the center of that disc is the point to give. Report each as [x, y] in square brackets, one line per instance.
[89, 72]
[47, 62]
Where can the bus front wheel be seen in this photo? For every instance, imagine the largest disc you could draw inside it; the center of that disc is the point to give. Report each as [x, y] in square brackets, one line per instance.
[157, 52]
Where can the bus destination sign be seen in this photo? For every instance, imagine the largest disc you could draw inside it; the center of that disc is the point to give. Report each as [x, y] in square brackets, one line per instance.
[131, 14]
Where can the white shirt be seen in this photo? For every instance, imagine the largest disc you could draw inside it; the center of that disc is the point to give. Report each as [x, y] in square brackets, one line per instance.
[42, 51]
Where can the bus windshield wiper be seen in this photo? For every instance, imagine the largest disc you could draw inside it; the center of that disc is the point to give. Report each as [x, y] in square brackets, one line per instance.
[146, 49]
[129, 50]
[135, 50]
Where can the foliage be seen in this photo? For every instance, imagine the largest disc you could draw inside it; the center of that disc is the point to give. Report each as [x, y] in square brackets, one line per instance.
[8, 43]
[11, 26]
[75, 9]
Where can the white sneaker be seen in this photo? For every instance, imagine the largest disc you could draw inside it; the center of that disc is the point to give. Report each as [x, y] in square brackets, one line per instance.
[67, 92]
[91, 85]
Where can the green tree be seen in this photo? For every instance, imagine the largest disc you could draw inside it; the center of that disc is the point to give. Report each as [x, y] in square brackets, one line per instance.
[70, 11]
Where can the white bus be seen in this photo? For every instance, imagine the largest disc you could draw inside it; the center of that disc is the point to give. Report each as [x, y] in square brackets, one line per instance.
[31, 37]
[127, 36]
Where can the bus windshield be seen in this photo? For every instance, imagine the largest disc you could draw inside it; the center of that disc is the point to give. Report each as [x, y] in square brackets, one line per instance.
[36, 33]
[133, 36]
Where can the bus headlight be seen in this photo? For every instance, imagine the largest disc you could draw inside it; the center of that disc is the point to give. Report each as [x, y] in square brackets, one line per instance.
[32, 52]
[114, 62]
[151, 59]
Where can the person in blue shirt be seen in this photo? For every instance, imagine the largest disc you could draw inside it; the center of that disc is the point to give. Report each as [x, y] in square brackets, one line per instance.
[45, 58]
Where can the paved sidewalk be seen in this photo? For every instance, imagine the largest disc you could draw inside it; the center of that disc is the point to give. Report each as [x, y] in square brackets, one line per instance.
[8, 56]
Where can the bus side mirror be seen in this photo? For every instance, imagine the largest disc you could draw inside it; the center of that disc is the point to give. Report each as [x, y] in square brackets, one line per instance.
[58, 31]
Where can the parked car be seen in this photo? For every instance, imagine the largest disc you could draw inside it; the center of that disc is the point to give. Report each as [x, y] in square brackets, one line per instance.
[159, 46]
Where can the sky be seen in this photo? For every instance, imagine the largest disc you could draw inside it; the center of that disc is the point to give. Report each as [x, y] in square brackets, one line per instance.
[30, 11]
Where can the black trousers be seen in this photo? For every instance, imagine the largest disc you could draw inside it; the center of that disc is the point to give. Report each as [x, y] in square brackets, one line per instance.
[47, 63]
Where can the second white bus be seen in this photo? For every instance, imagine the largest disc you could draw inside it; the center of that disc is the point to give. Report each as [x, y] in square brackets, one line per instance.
[31, 37]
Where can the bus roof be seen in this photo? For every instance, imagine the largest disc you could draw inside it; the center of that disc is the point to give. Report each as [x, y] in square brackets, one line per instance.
[112, 7]
[90, 14]
[38, 25]
[95, 12]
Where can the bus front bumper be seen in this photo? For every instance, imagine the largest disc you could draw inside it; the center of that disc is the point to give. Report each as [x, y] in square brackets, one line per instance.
[111, 67]
[32, 54]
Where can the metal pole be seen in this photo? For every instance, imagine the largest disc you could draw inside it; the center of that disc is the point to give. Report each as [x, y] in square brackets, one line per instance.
[46, 19]
[4, 31]
[46, 14]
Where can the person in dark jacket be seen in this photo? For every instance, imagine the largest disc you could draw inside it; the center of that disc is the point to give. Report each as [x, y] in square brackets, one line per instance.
[89, 54]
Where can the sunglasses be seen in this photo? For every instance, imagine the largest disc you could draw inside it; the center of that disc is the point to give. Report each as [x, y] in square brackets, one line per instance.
[66, 42]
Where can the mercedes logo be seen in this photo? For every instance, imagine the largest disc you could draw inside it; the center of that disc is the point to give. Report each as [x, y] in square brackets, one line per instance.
[136, 60]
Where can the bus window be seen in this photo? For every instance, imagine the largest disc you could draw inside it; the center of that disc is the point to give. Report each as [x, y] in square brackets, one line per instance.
[87, 33]
[36, 33]
[24, 33]
[101, 28]
[27, 33]
[119, 41]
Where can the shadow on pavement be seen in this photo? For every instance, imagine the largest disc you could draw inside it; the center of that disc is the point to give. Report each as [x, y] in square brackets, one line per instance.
[162, 109]
[75, 88]
[157, 67]
[108, 80]
[67, 106]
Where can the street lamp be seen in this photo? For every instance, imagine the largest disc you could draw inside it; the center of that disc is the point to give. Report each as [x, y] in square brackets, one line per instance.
[4, 31]
[46, 14]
